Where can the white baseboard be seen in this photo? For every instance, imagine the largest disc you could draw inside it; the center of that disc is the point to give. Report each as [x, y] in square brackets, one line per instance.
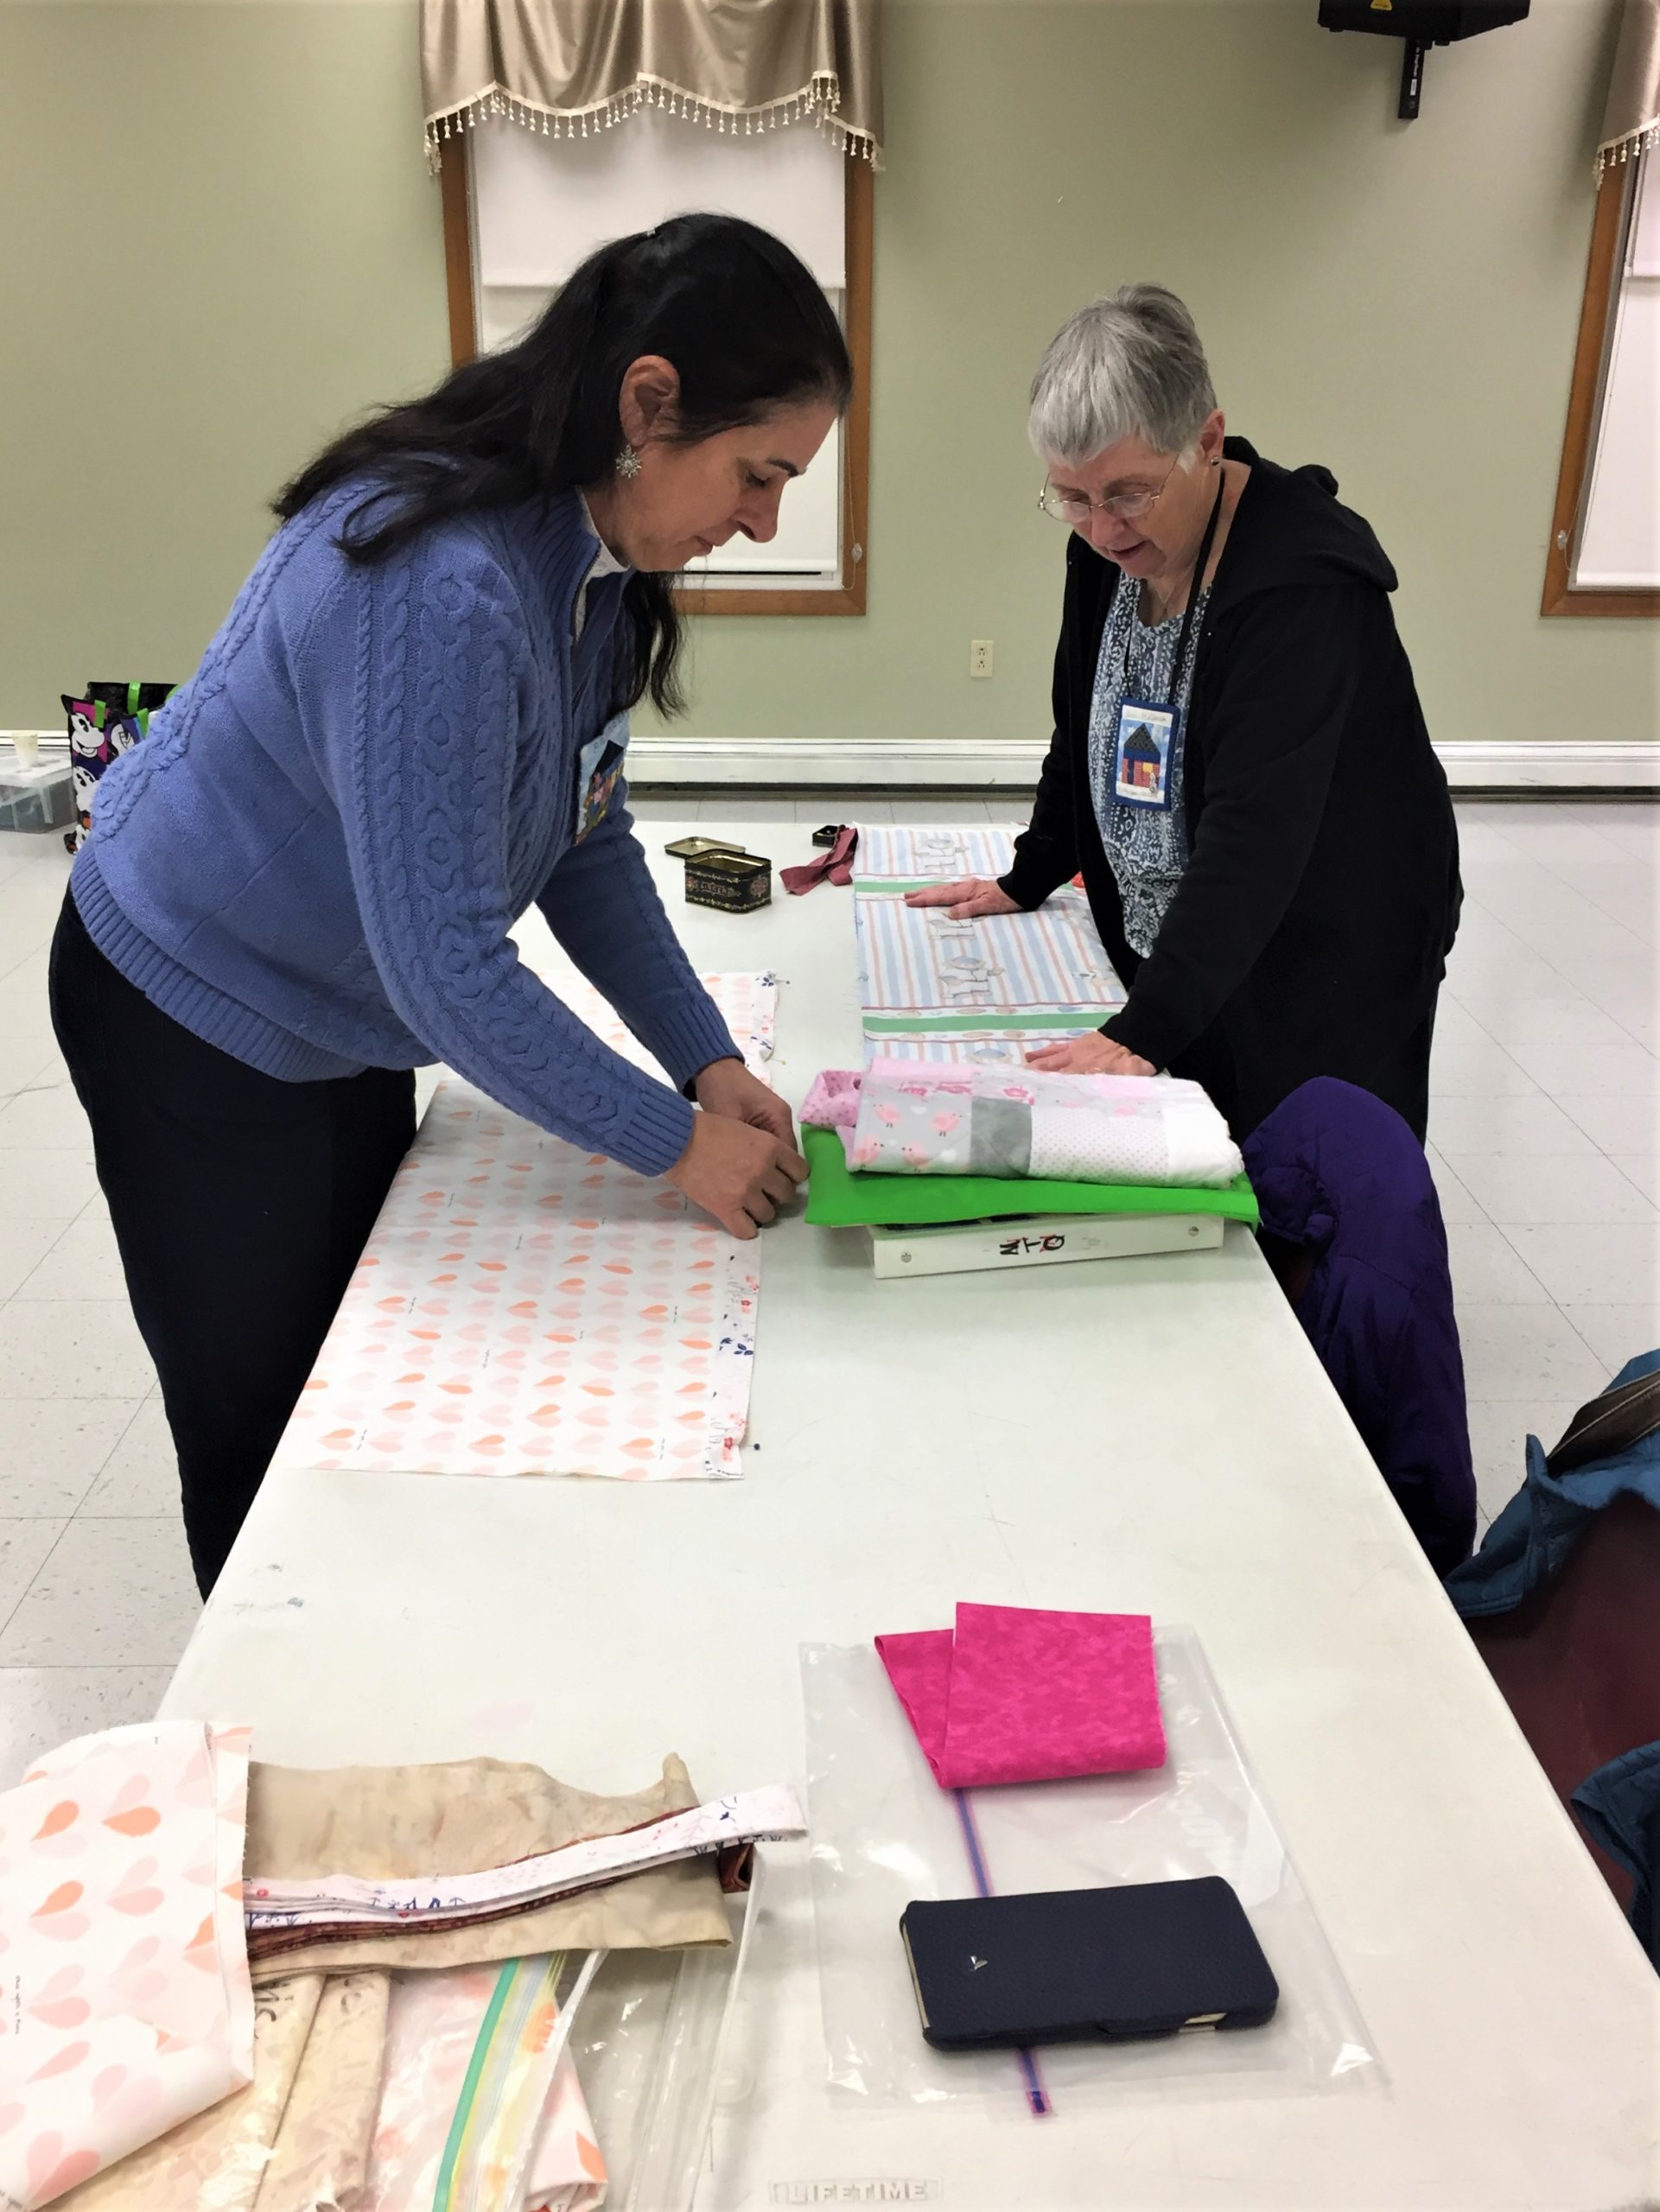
[855, 763]
[1552, 763]
[984, 763]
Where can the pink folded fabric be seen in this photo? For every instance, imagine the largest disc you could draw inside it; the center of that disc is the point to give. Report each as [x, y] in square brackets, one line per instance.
[833, 1102]
[1014, 1694]
[125, 2005]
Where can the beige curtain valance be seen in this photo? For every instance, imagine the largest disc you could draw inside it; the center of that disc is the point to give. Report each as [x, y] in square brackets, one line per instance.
[1631, 121]
[570, 67]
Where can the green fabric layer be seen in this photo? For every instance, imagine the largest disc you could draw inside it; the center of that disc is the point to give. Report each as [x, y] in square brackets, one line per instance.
[839, 1198]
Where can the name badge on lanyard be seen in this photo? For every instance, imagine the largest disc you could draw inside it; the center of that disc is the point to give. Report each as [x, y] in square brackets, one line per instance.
[1148, 739]
[1143, 753]
[599, 770]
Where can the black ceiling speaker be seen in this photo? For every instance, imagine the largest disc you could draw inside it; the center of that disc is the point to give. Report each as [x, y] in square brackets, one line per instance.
[1421, 24]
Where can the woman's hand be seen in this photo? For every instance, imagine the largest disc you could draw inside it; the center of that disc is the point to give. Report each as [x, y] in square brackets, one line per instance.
[969, 895]
[727, 1088]
[1091, 1055]
[740, 1174]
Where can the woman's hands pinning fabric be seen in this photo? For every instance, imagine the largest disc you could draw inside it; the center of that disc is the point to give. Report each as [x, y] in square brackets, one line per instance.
[741, 1165]
[727, 1087]
[740, 1175]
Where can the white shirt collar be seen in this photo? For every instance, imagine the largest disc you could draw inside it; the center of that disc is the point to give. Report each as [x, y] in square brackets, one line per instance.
[605, 562]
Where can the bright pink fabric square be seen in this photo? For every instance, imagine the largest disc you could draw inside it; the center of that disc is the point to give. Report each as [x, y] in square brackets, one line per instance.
[1014, 1694]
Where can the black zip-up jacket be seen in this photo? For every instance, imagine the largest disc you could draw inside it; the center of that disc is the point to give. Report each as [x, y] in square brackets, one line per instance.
[1310, 929]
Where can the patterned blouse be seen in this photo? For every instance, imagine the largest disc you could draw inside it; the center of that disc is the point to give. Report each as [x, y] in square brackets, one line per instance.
[1147, 846]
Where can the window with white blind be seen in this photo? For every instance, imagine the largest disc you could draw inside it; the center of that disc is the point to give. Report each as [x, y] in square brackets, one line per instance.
[1604, 551]
[534, 206]
[1618, 546]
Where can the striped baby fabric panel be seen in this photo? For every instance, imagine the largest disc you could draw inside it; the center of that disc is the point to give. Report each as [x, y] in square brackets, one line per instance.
[989, 1048]
[919, 960]
[984, 990]
[925, 855]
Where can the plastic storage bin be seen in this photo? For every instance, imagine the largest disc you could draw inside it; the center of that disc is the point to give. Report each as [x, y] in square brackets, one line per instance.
[40, 797]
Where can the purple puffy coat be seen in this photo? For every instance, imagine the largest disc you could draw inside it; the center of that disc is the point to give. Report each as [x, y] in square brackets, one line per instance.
[1339, 1175]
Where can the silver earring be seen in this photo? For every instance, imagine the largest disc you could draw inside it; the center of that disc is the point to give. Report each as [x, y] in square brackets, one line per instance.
[628, 462]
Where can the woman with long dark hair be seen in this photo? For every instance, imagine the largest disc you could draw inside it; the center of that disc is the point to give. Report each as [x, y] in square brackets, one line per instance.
[410, 726]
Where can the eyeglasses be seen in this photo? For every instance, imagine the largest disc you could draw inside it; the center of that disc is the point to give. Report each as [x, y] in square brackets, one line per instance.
[1074, 507]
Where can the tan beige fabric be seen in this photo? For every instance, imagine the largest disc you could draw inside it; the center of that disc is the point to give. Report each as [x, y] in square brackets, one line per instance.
[460, 1819]
[1631, 119]
[564, 68]
[216, 2162]
[321, 2153]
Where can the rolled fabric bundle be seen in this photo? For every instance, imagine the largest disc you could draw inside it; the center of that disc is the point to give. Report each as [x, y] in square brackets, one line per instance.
[917, 1119]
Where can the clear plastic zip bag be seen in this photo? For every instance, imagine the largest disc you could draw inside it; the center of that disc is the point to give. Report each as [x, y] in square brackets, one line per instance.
[648, 2045]
[470, 2057]
[884, 1833]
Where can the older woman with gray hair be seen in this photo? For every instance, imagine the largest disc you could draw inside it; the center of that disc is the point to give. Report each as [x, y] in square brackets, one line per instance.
[1240, 765]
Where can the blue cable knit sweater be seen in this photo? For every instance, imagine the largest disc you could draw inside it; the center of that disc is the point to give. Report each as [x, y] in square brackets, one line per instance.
[314, 859]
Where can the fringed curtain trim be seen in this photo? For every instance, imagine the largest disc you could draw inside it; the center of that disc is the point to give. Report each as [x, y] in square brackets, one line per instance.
[571, 68]
[818, 105]
[1631, 122]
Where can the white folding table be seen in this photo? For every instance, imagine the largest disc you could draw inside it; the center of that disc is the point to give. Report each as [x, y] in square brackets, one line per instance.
[1149, 1434]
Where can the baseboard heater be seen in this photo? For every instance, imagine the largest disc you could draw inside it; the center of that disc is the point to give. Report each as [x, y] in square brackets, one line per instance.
[761, 764]
[986, 764]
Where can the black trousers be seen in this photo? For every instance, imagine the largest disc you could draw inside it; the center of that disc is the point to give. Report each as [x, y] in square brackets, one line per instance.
[240, 1207]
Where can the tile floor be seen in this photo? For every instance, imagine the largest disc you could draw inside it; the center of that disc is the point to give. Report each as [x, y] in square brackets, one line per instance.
[1544, 1131]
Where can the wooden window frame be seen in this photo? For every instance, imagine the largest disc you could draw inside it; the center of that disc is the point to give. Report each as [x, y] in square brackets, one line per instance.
[848, 598]
[1616, 202]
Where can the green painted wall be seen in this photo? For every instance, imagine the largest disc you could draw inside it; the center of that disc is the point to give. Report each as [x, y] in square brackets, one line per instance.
[218, 240]
[243, 248]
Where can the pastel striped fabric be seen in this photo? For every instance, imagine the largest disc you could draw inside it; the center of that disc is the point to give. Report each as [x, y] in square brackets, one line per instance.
[918, 959]
[983, 991]
[981, 1047]
[924, 855]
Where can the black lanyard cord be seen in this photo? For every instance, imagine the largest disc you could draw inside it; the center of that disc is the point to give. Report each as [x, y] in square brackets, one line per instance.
[1195, 593]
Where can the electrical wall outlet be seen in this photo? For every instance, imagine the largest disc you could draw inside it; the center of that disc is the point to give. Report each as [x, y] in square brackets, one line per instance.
[979, 656]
